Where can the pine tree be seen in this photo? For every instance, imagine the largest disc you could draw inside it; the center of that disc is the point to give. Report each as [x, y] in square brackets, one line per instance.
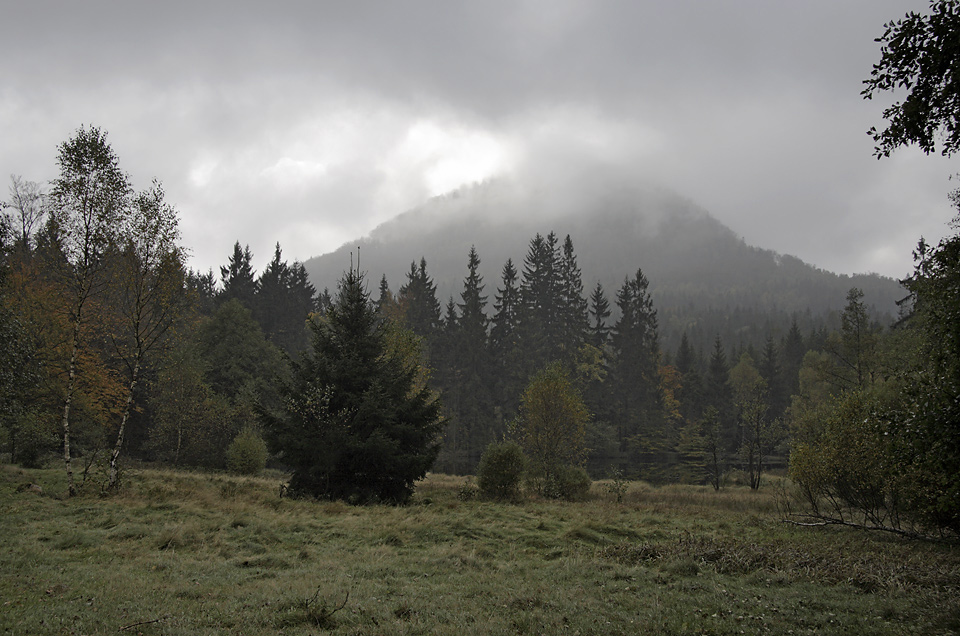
[635, 343]
[772, 374]
[418, 298]
[473, 363]
[599, 312]
[792, 352]
[539, 324]
[284, 301]
[504, 344]
[692, 390]
[238, 278]
[573, 319]
[271, 297]
[353, 426]
[503, 332]
[719, 395]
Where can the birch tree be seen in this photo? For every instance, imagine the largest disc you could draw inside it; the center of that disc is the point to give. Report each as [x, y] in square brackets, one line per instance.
[148, 291]
[89, 202]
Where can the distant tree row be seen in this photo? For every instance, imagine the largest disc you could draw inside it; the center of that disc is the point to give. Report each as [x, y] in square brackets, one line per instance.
[663, 417]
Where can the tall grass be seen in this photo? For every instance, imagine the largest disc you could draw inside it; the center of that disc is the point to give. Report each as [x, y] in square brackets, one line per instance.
[195, 553]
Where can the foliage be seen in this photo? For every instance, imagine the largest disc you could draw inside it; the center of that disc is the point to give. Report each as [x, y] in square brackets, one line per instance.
[571, 483]
[247, 453]
[352, 425]
[617, 485]
[236, 356]
[919, 54]
[758, 431]
[845, 467]
[929, 443]
[89, 206]
[32, 438]
[551, 426]
[146, 292]
[501, 469]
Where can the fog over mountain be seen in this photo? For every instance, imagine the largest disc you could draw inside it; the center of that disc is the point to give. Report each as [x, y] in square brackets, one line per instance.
[695, 264]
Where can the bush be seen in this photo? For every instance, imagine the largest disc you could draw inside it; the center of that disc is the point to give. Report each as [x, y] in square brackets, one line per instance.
[500, 470]
[33, 440]
[559, 482]
[247, 454]
[571, 483]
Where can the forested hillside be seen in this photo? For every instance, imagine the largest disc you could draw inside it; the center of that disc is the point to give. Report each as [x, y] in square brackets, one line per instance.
[704, 279]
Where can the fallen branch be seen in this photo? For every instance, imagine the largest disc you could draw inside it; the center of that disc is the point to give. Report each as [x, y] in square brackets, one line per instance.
[156, 620]
[820, 521]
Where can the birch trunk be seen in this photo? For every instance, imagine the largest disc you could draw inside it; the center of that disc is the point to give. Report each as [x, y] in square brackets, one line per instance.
[71, 382]
[114, 456]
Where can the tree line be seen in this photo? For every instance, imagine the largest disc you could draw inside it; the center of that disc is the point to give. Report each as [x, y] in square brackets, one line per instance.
[116, 348]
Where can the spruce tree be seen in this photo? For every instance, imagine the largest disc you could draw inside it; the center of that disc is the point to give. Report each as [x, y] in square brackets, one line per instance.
[503, 332]
[636, 348]
[599, 312]
[472, 362]
[504, 343]
[418, 297]
[539, 324]
[719, 395]
[238, 279]
[792, 350]
[354, 425]
[573, 319]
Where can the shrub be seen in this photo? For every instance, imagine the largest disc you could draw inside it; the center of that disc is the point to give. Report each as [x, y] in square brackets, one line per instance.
[33, 439]
[501, 469]
[247, 454]
[571, 483]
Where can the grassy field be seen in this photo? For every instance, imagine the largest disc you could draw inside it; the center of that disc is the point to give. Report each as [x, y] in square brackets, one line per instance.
[189, 553]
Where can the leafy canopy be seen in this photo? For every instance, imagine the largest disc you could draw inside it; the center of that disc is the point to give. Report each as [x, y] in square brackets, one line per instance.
[920, 54]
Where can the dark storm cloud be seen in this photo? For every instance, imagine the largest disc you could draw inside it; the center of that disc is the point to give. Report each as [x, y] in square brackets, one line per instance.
[309, 123]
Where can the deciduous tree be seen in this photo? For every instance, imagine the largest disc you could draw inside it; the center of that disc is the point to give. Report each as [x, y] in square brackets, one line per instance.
[919, 54]
[89, 203]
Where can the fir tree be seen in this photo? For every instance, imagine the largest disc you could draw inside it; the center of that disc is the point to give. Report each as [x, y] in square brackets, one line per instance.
[354, 426]
[475, 412]
[572, 318]
[718, 394]
[504, 343]
[506, 313]
[418, 298]
[238, 278]
[539, 324]
[599, 312]
[793, 350]
[636, 347]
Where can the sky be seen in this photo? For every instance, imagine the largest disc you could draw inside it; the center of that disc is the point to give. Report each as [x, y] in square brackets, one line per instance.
[310, 123]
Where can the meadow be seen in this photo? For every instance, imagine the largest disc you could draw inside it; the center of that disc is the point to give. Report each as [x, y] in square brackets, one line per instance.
[183, 553]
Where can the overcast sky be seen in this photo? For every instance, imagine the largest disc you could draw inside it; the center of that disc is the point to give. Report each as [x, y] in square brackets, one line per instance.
[310, 123]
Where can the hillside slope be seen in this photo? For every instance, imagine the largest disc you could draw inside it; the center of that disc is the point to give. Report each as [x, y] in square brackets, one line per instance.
[695, 264]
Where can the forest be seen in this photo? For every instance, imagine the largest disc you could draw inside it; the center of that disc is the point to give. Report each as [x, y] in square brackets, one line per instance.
[115, 350]
[143, 358]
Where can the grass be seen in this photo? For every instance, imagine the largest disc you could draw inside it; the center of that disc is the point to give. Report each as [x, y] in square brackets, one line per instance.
[191, 553]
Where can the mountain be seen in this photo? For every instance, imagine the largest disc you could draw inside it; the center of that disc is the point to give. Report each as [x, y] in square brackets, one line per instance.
[704, 279]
